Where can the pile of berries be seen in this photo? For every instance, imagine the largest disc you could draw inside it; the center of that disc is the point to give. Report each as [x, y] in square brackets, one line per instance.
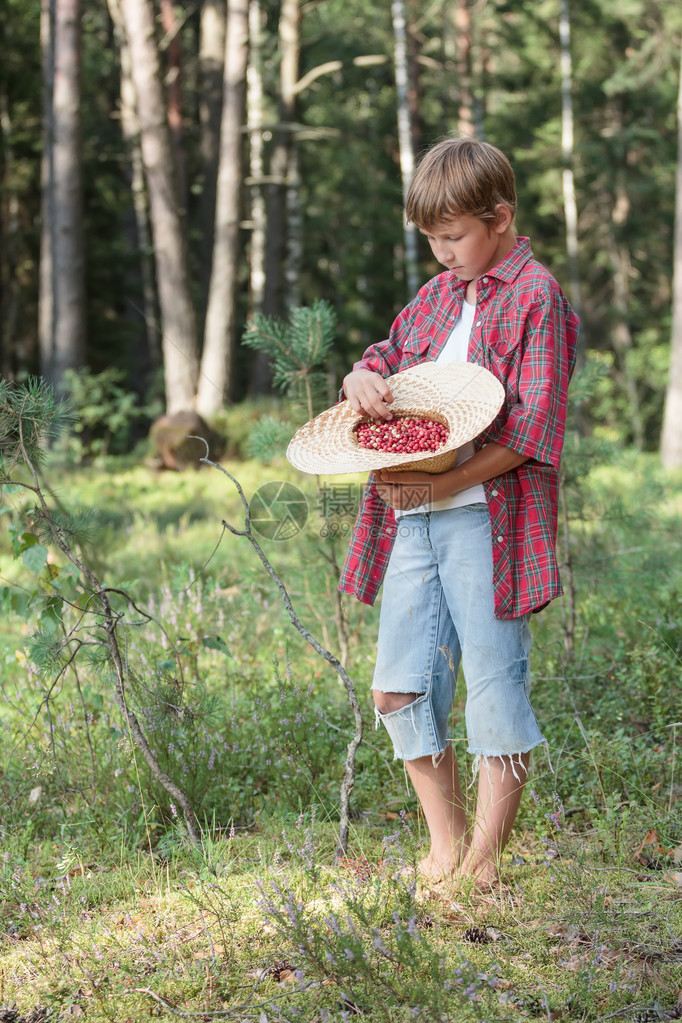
[402, 436]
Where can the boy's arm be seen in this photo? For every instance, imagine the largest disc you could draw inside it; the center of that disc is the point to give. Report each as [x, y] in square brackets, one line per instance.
[397, 489]
[364, 386]
[536, 421]
[534, 427]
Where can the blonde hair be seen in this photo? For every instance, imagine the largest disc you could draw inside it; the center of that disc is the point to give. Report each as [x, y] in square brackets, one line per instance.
[457, 178]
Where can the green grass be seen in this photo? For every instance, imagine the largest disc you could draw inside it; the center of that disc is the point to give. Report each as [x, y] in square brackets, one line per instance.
[262, 921]
[109, 913]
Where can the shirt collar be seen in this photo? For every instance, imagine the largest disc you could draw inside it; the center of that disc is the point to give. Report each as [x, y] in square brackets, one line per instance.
[508, 268]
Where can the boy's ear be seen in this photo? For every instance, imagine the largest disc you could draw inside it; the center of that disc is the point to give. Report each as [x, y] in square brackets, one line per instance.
[505, 218]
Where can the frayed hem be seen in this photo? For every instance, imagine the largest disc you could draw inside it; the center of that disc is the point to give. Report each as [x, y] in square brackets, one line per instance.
[507, 758]
[435, 757]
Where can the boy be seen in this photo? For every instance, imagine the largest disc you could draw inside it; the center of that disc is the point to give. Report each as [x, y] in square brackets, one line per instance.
[464, 573]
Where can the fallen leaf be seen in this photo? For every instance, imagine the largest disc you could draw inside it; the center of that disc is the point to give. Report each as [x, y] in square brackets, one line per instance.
[649, 848]
[206, 953]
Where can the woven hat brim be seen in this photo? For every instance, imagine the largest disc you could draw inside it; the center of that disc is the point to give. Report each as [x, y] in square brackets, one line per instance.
[466, 396]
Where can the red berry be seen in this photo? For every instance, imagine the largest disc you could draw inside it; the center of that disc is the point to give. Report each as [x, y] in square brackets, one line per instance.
[407, 435]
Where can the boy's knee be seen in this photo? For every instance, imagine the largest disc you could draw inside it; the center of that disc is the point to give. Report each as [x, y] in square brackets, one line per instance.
[386, 703]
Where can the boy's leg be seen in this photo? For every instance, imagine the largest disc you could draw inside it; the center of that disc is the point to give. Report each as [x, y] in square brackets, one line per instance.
[501, 725]
[435, 779]
[500, 787]
[414, 686]
[440, 796]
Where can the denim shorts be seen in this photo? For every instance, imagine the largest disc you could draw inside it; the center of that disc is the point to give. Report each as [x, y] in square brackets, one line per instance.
[437, 610]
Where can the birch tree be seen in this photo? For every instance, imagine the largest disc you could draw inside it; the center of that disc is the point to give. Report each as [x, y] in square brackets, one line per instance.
[214, 379]
[62, 287]
[254, 119]
[276, 196]
[406, 147]
[171, 45]
[671, 437]
[212, 27]
[178, 323]
[568, 180]
[130, 128]
[465, 106]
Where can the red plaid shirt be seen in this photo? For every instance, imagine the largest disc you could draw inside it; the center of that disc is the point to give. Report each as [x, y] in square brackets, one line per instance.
[525, 333]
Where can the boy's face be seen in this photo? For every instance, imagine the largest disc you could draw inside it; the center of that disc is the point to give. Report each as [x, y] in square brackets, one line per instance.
[469, 246]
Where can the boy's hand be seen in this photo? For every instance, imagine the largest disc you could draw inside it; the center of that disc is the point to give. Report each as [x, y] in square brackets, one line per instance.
[410, 489]
[368, 393]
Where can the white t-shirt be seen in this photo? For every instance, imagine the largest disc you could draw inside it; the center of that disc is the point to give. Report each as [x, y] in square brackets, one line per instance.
[455, 350]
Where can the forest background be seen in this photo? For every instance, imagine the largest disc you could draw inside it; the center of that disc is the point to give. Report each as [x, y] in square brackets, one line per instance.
[121, 123]
[201, 212]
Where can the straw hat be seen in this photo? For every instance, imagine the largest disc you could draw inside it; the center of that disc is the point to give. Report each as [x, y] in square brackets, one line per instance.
[463, 396]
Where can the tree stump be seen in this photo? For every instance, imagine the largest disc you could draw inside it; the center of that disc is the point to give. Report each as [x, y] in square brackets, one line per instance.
[175, 443]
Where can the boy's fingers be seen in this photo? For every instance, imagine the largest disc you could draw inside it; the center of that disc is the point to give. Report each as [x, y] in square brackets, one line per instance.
[384, 390]
[400, 478]
[374, 405]
[369, 394]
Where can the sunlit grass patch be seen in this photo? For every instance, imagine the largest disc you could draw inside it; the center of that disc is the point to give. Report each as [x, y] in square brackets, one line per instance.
[108, 910]
[266, 921]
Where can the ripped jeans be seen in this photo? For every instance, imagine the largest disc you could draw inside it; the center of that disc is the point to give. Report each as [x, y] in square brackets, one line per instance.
[437, 610]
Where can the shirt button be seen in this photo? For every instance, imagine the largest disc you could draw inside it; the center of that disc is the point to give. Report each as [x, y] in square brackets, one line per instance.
[479, 322]
[500, 539]
[484, 280]
[494, 493]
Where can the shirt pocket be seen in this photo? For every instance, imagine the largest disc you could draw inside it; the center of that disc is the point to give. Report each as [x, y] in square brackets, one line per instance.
[417, 344]
[502, 356]
[503, 346]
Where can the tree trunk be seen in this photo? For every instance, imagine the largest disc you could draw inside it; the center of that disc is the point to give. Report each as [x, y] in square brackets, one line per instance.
[414, 75]
[260, 375]
[216, 362]
[254, 119]
[622, 335]
[211, 60]
[460, 104]
[570, 207]
[275, 253]
[405, 137]
[62, 285]
[9, 251]
[130, 129]
[294, 247]
[177, 313]
[465, 108]
[173, 49]
[614, 217]
[671, 438]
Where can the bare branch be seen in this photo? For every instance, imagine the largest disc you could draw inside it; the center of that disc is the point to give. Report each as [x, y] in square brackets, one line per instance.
[349, 773]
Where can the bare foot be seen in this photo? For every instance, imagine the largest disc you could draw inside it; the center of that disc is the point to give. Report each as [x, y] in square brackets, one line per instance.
[435, 868]
[432, 869]
[480, 872]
